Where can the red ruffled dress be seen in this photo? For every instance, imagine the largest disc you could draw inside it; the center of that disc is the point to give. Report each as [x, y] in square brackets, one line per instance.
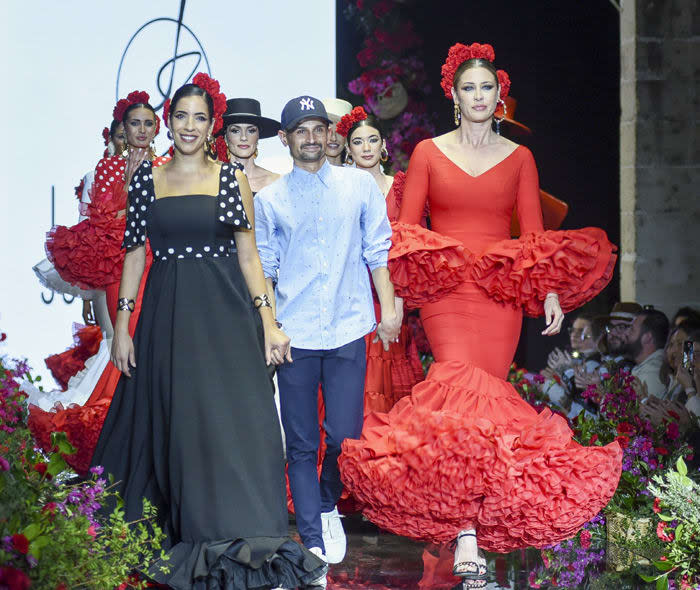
[391, 374]
[464, 450]
[89, 255]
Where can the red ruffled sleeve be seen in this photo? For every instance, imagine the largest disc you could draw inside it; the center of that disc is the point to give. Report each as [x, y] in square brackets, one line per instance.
[575, 264]
[425, 265]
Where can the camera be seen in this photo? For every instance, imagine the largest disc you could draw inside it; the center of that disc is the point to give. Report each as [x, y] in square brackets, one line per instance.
[688, 356]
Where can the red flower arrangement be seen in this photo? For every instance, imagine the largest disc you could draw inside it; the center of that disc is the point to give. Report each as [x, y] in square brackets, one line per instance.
[20, 543]
[347, 121]
[105, 134]
[211, 86]
[662, 534]
[458, 54]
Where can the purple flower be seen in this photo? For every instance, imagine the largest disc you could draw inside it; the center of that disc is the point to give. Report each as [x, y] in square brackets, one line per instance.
[97, 470]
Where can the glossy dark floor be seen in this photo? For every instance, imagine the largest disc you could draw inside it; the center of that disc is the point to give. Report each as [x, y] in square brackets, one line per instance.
[380, 561]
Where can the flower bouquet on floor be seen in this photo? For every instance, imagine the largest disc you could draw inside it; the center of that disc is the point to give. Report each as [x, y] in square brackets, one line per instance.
[54, 531]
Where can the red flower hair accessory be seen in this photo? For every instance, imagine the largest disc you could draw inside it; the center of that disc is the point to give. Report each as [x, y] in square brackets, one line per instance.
[212, 87]
[205, 82]
[458, 54]
[135, 97]
[221, 149]
[347, 121]
[105, 135]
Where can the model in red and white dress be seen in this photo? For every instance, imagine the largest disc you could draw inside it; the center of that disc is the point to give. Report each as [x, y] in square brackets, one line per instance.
[73, 250]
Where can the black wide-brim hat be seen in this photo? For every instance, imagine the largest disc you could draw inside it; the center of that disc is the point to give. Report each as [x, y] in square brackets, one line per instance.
[247, 110]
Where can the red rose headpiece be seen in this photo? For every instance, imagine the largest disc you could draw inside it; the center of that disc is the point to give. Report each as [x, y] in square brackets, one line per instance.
[105, 135]
[206, 82]
[460, 53]
[135, 97]
[347, 121]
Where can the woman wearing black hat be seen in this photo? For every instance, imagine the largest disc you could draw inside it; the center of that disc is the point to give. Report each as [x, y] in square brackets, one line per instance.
[243, 127]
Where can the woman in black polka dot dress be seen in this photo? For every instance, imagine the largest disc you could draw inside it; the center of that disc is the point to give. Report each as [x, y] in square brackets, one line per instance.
[192, 425]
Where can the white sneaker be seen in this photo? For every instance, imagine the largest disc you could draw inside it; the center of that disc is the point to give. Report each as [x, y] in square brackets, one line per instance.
[333, 536]
[321, 581]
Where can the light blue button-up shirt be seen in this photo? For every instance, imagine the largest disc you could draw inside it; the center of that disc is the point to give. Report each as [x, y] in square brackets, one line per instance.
[317, 234]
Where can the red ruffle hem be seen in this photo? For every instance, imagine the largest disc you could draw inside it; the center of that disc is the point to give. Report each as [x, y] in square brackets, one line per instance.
[464, 450]
[65, 365]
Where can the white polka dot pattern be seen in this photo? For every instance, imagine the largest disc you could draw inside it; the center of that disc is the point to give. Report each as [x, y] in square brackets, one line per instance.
[141, 194]
[229, 198]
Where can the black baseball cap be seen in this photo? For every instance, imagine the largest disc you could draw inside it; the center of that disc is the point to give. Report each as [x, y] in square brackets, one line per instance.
[300, 108]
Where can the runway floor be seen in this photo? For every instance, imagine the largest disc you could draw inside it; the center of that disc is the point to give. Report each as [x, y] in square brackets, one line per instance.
[378, 560]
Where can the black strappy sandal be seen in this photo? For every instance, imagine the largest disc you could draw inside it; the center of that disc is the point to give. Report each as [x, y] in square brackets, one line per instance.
[469, 570]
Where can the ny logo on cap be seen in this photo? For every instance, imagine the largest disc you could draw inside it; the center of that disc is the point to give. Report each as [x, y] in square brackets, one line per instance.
[306, 104]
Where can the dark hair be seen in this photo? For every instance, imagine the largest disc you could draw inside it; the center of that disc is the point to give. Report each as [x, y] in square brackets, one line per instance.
[137, 105]
[370, 121]
[688, 327]
[656, 323]
[192, 90]
[476, 62]
[687, 312]
[113, 127]
[694, 336]
[597, 327]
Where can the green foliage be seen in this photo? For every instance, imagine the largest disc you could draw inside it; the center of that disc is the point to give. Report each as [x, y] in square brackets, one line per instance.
[56, 531]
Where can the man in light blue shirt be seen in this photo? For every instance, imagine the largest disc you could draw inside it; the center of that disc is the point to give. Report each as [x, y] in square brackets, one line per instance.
[318, 229]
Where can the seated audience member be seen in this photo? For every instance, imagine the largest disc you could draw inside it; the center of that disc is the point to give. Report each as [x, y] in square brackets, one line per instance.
[687, 411]
[685, 314]
[673, 356]
[646, 340]
[562, 365]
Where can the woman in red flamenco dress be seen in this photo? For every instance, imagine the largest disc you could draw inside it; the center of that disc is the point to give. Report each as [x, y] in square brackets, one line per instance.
[89, 255]
[464, 457]
[391, 374]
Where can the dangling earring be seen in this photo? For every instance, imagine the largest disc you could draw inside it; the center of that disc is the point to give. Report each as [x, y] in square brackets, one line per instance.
[153, 149]
[497, 119]
[348, 158]
[211, 146]
[255, 155]
[125, 153]
[384, 154]
[458, 115]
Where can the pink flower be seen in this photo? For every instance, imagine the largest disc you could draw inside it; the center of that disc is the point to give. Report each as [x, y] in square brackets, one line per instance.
[657, 505]
[532, 581]
[585, 538]
[4, 464]
[672, 431]
[91, 531]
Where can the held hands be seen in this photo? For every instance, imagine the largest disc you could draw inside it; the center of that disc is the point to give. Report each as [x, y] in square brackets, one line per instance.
[388, 330]
[278, 346]
[553, 315]
[123, 354]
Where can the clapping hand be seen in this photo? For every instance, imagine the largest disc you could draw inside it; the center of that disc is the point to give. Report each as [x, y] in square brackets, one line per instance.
[558, 360]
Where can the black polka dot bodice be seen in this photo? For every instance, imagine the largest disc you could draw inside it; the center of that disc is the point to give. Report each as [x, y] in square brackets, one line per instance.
[185, 226]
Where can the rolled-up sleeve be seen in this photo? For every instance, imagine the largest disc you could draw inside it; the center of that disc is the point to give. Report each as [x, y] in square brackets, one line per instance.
[376, 231]
[266, 239]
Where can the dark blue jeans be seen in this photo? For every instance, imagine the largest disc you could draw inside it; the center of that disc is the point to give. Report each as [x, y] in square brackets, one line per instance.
[341, 374]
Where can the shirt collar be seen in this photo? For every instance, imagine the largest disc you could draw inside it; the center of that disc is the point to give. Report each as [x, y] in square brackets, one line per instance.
[302, 177]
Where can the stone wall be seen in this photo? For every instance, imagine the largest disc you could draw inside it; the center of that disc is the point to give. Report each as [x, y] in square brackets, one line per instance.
[660, 153]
